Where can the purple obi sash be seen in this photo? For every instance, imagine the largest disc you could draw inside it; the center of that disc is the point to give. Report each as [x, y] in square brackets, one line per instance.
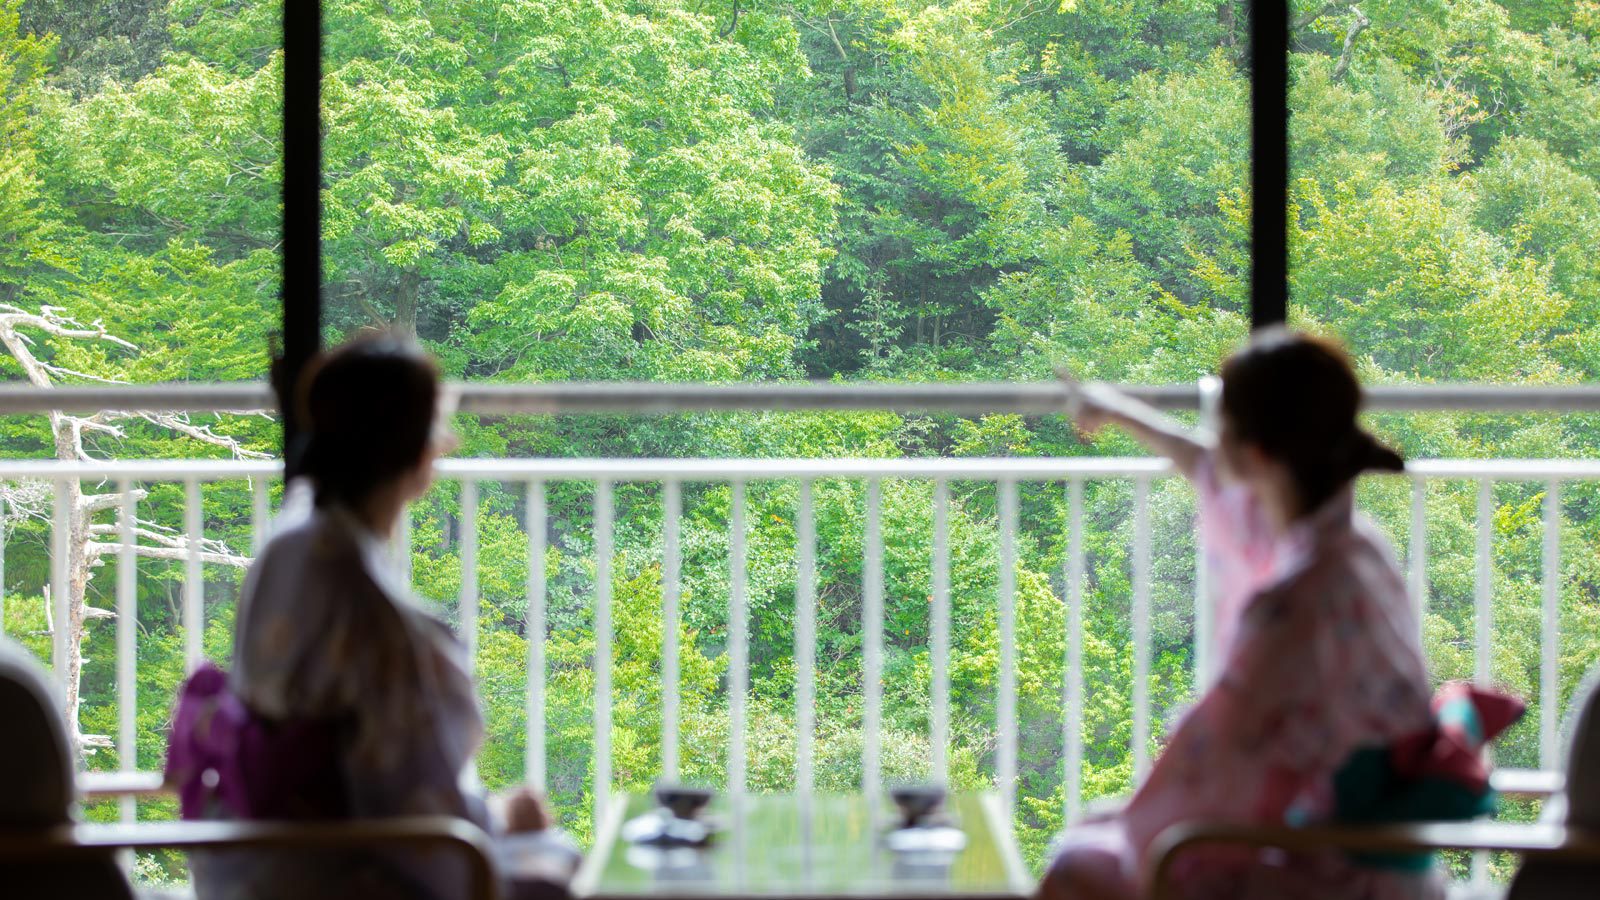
[225, 760]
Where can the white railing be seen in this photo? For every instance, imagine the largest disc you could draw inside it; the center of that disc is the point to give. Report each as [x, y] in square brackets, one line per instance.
[672, 474]
[649, 398]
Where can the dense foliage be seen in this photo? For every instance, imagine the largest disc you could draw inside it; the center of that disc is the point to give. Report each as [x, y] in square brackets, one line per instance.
[850, 189]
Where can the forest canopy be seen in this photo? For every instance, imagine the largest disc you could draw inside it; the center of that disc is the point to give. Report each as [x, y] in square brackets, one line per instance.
[718, 190]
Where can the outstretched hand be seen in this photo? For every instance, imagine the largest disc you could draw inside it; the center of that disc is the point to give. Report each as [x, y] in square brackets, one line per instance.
[1092, 405]
[1099, 405]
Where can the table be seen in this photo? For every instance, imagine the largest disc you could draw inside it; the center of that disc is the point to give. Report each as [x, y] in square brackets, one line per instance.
[804, 848]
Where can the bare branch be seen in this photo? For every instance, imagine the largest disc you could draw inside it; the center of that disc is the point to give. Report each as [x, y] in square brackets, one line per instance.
[63, 372]
[203, 433]
[26, 499]
[89, 504]
[96, 422]
[95, 612]
[1030, 10]
[97, 550]
[1315, 13]
[161, 543]
[51, 321]
[1357, 25]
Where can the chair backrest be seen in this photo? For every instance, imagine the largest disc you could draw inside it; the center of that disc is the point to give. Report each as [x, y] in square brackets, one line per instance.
[36, 756]
[1583, 761]
[1560, 880]
[36, 786]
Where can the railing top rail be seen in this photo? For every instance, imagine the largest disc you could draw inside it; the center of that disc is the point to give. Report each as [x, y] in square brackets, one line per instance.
[637, 398]
[723, 470]
[708, 470]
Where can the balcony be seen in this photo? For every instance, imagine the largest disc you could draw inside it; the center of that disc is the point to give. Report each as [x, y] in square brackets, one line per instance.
[1021, 624]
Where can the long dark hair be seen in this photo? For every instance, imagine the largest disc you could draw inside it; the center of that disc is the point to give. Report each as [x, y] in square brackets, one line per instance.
[369, 408]
[1297, 398]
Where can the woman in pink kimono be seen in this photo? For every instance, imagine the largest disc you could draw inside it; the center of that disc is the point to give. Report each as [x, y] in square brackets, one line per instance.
[1317, 638]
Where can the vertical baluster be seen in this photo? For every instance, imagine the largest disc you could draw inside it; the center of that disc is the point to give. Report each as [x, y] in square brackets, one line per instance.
[805, 641]
[1006, 710]
[1550, 638]
[194, 600]
[1072, 777]
[534, 628]
[127, 649]
[1483, 593]
[604, 510]
[1484, 623]
[1141, 627]
[259, 512]
[60, 542]
[872, 643]
[738, 649]
[1204, 605]
[671, 576]
[467, 599]
[941, 631]
[1417, 552]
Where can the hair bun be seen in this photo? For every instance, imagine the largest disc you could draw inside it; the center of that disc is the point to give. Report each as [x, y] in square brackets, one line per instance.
[1360, 452]
[1379, 457]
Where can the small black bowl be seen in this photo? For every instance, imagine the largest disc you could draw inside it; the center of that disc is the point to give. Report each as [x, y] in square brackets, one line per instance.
[917, 801]
[683, 801]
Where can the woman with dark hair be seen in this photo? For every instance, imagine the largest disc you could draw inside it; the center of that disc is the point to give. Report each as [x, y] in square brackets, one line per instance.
[1318, 641]
[357, 702]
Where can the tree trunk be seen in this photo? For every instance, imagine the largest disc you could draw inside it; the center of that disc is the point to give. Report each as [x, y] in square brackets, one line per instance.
[405, 302]
[77, 581]
[1358, 23]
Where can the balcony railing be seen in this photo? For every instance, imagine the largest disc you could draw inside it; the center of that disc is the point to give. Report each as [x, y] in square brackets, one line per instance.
[535, 476]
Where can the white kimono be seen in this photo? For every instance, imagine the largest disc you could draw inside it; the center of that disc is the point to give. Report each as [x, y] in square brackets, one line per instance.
[325, 631]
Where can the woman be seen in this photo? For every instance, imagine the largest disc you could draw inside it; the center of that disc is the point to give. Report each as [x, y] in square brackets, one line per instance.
[1317, 638]
[363, 700]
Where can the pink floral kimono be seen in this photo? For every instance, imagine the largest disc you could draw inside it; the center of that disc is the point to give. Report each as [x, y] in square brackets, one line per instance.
[1320, 657]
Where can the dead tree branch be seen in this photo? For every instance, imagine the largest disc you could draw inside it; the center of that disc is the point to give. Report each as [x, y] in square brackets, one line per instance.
[1358, 24]
[1309, 17]
[163, 543]
[87, 541]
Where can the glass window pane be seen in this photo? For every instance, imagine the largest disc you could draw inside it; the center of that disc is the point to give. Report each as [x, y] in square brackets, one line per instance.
[139, 232]
[142, 145]
[1446, 210]
[1445, 189]
[726, 191]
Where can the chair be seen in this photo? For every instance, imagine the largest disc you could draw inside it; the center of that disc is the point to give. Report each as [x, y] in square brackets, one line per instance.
[36, 789]
[57, 850]
[1541, 842]
[44, 854]
[1559, 879]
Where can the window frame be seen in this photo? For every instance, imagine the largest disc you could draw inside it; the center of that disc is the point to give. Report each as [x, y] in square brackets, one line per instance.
[301, 286]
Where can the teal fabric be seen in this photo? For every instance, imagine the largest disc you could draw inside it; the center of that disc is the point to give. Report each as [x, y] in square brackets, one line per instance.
[1367, 791]
[1461, 713]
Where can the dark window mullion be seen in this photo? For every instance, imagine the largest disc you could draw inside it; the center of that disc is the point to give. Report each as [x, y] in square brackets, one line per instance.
[302, 203]
[1269, 162]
